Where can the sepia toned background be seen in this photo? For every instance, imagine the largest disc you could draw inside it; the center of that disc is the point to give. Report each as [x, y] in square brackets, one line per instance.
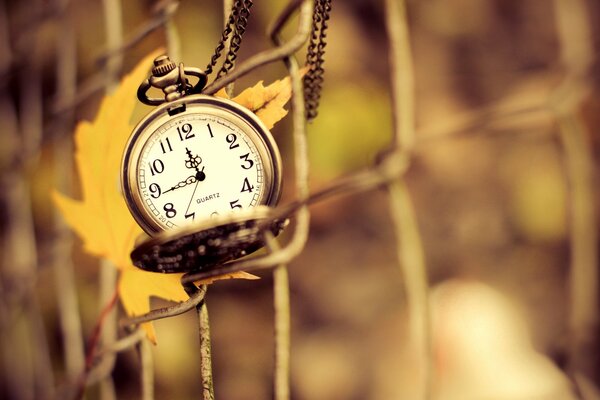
[502, 178]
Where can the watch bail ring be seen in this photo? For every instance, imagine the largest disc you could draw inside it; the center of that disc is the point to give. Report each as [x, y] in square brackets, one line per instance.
[172, 80]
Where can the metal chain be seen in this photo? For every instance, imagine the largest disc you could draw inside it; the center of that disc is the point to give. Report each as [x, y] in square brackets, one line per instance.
[236, 24]
[313, 80]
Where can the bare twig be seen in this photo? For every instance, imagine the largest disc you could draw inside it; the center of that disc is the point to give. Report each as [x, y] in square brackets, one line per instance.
[106, 363]
[26, 359]
[139, 34]
[574, 32]
[167, 9]
[146, 369]
[66, 71]
[281, 303]
[409, 247]
[108, 288]
[166, 312]
[108, 273]
[208, 392]
[113, 26]
[583, 285]
[122, 344]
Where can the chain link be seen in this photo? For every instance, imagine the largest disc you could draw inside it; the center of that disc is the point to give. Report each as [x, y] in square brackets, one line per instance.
[236, 25]
[313, 80]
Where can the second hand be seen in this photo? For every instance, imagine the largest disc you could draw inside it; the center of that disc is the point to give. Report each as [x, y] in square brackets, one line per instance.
[193, 215]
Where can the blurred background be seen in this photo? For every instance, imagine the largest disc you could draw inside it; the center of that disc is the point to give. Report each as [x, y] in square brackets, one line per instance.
[503, 181]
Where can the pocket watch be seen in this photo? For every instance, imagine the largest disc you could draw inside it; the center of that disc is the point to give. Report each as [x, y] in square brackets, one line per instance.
[195, 156]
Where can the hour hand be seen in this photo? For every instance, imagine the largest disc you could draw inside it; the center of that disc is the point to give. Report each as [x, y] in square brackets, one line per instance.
[190, 179]
[199, 176]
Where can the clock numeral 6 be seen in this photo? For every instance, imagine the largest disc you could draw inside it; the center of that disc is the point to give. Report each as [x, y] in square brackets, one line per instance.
[246, 186]
[154, 190]
[169, 210]
[156, 167]
[231, 138]
[234, 204]
[248, 163]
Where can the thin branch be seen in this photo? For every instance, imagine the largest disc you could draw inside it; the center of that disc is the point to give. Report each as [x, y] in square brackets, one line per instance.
[401, 76]
[168, 9]
[25, 354]
[166, 312]
[281, 305]
[108, 295]
[206, 376]
[576, 44]
[101, 370]
[136, 37]
[105, 313]
[146, 370]
[113, 27]
[409, 247]
[66, 292]
[583, 282]
[208, 391]
[282, 19]
[122, 344]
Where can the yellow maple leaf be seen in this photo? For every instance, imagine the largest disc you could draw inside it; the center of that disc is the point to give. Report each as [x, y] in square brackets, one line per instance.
[102, 219]
[266, 102]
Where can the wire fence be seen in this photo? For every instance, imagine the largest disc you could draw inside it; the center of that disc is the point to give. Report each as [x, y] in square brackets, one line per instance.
[30, 121]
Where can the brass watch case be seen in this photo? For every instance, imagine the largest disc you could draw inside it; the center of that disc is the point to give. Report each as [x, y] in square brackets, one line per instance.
[243, 118]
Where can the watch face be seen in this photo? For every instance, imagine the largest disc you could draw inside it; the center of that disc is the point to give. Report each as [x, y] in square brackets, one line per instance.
[209, 158]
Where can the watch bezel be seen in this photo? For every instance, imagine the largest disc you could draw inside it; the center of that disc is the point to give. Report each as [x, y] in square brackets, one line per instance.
[251, 125]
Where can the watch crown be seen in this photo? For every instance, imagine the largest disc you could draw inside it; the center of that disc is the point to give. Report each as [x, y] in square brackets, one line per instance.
[163, 65]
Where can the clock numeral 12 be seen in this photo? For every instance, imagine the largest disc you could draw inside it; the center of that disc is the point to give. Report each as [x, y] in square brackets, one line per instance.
[246, 186]
[210, 131]
[187, 130]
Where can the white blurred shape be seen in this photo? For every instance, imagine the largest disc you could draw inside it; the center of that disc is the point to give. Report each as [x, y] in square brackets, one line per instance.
[482, 349]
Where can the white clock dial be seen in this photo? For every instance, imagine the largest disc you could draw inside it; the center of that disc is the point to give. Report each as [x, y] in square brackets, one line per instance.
[196, 158]
[197, 166]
